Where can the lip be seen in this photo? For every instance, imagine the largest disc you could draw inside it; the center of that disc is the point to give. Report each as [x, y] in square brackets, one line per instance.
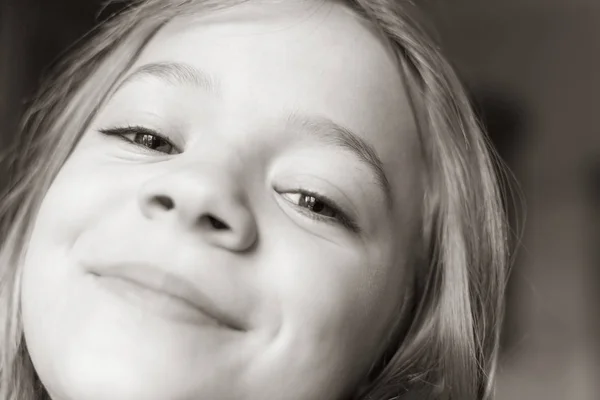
[153, 281]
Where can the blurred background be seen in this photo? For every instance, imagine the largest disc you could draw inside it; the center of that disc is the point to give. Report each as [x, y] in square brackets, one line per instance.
[533, 69]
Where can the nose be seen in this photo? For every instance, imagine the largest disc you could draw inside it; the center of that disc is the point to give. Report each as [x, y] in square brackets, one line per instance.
[208, 204]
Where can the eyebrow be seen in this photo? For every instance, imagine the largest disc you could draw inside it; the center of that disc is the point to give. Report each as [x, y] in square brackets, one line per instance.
[175, 74]
[326, 130]
[333, 133]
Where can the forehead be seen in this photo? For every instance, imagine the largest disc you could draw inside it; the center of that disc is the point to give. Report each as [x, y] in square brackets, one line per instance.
[319, 58]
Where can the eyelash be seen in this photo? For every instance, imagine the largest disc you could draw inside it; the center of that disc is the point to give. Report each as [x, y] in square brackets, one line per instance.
[121, 133]
[340, 216]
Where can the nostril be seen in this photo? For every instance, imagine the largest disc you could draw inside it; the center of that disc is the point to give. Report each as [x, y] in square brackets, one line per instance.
[217, 223]
[164, 201]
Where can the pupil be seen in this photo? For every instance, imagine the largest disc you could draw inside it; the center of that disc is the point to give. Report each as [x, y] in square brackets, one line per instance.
[317, 206]
[152, 142]
[312, 204]
[149, 141]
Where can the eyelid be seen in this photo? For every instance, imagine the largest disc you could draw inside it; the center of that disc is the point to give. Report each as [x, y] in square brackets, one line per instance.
[344, 217]
[121, 131]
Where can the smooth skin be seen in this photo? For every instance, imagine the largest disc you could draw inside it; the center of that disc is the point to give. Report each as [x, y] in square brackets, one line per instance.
[207, 165]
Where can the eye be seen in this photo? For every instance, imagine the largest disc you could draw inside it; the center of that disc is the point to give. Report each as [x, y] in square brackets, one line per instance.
[143, 137]
[320, 208]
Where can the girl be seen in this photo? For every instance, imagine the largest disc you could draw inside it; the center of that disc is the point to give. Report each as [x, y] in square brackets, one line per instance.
[253, 200]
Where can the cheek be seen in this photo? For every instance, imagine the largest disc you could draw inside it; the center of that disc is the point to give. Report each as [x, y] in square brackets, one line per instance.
[332, 304]
[78, 198]
[85, 191]
[72, 203]
[81, 194]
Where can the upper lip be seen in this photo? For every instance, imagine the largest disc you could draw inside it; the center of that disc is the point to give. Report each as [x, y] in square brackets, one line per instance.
[159, 280]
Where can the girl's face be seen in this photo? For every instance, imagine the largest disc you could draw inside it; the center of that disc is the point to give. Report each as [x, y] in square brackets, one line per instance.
[237, 221]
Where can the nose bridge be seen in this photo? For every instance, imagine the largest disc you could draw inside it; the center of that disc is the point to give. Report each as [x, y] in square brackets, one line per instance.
[207, 189]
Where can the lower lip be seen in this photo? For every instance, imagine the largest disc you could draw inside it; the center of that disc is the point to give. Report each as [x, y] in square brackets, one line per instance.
[154, 302]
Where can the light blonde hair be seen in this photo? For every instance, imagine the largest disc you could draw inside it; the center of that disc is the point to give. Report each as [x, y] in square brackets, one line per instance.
[445, 343]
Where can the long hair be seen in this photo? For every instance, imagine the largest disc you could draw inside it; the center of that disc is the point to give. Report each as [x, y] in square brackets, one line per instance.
[445, 342]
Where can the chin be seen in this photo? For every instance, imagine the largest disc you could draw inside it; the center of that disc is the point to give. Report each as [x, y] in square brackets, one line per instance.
[107, 365]
[93, 377]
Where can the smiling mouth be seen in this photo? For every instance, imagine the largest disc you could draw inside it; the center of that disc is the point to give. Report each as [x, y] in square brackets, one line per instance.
[164, 294]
